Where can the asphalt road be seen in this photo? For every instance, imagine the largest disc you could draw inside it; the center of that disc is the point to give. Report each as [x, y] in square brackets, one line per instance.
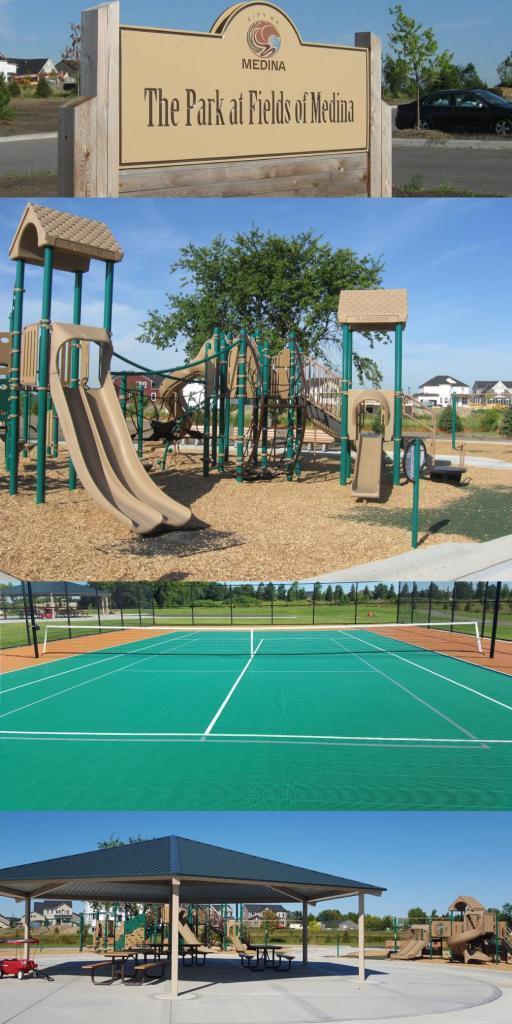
[481, 170]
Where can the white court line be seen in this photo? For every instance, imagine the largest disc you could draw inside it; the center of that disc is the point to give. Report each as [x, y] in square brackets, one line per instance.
[142, 737]
[78, 686]
[66, 671]
[231, 692]
[447, 679]
[400, 686]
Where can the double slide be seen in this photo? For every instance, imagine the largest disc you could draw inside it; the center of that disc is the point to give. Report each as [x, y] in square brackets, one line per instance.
[100, 445]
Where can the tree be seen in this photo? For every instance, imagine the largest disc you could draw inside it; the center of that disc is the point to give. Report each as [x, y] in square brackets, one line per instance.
[506, 423]
[395, 77]
[43, 89]
[444, 421]
[71, 52]
[417, 48]
[268, 281]
[14, 89]
[416, 914]
[6, 111]
[505, 71]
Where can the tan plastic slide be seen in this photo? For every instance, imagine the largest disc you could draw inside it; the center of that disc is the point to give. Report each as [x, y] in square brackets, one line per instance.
[367, 479]
[411, 951]
[100, 445]
[459, 943]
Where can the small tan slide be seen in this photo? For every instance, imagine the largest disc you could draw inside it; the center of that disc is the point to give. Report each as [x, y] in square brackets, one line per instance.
[367, 479]
[100, 445]
[411, 951]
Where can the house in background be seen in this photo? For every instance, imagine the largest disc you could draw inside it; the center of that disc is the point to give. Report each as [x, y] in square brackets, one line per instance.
[438, 391]
[151, 385]
[51, 912]
[69, 72]
[34, 68]
[492, 392]
[7, 67]
[255, 914]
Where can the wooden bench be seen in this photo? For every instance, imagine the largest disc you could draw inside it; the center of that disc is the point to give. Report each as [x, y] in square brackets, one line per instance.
[281, 957]
[141, 972]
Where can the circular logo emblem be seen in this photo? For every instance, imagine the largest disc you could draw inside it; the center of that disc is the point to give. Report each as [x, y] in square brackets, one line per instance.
[264, 38]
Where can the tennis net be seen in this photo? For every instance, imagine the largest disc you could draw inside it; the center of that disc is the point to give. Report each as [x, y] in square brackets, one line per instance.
[367, 639]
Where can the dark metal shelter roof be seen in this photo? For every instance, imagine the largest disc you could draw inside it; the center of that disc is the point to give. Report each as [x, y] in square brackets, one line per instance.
[142, 872]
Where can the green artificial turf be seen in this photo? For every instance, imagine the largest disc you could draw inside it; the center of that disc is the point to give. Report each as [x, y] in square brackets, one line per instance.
[140, 728]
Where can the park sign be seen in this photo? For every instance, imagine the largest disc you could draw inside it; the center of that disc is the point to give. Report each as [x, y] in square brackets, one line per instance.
[247, 108]
[249, 88]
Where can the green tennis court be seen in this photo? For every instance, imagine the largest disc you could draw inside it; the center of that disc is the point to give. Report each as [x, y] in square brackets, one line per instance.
[359, 718]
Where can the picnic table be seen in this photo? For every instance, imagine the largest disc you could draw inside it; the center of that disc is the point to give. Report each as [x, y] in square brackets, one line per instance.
[155, 949]
[266, 952]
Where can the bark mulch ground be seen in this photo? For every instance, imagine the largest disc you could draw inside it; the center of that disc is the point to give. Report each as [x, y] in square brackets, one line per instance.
[259, 530]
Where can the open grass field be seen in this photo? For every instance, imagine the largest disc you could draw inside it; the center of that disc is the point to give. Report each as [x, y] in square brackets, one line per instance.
[201, 720]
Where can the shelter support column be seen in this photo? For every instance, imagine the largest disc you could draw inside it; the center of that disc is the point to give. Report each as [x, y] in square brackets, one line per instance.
[26, 929]
[361, 959]
[397, 444]
[304, 933]
[174, 909]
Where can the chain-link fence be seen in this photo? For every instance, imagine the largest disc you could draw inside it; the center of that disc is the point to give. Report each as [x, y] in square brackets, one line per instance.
[96, 605]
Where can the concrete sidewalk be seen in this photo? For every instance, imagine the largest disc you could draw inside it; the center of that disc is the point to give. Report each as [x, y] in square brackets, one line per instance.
[489, 561]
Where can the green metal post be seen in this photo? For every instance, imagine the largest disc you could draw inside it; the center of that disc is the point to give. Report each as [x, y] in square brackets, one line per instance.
[55, 435]
[81, 933]
[416, 494]
[222, 407]
[75, 357]
[454, 422]
[290, 433]
[13, 414]
[227, 401]
[397, 443]
[265, 373]
[215, 395]
[43, 375]
[206, 415]
[26, 395]
[298, 411]
[241, 398]
[123, 393]
[344, 449]
[395, 934]
[430, 949]
[140, 419]
[497, 955]
[338, 944]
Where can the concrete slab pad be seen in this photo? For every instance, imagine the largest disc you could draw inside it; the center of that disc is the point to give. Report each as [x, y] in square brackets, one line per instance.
[327, 991]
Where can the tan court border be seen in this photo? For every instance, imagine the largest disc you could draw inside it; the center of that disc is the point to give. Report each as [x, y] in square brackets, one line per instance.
[23, 657]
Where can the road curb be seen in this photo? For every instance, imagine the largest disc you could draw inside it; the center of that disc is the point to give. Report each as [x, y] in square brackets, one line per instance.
[36, 137]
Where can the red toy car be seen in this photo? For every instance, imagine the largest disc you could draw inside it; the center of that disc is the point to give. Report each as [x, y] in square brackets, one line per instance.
[18, 966]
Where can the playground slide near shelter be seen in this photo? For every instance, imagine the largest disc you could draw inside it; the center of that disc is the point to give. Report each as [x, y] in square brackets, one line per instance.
[102, 451]
[411, 951]
[367, 479]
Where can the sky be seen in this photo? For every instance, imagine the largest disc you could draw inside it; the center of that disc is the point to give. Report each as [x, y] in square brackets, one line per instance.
[449, 254]
[474, 32]
[422, 859]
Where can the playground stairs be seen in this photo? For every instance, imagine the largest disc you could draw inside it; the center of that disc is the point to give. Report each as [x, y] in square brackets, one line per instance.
[507, 938]
[323, 419]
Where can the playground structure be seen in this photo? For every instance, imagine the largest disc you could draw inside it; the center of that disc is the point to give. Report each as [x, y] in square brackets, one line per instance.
[471, 934]
[214, 926]
[248, 406]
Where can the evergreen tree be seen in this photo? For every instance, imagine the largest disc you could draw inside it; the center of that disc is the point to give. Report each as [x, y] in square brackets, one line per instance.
[44, 89]
[506, 423]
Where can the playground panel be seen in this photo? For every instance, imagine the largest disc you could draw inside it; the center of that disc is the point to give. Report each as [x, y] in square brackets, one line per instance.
[440, 730]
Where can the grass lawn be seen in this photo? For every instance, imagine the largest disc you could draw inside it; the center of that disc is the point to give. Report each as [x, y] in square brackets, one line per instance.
[33, 115]
[41, 183]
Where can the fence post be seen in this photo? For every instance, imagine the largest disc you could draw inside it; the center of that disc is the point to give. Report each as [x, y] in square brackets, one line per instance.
[495, 619]
[35, 627]
[416, 490]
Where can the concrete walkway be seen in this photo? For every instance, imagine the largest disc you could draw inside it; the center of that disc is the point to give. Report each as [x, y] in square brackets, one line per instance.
[222, 992]
[489, 561]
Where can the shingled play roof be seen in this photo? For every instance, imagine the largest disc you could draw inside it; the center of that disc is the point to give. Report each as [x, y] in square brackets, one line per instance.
[376, 309]
[141, 872]
[75, 240]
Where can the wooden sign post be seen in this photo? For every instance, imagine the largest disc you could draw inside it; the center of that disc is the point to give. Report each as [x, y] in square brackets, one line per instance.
[247, 109]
